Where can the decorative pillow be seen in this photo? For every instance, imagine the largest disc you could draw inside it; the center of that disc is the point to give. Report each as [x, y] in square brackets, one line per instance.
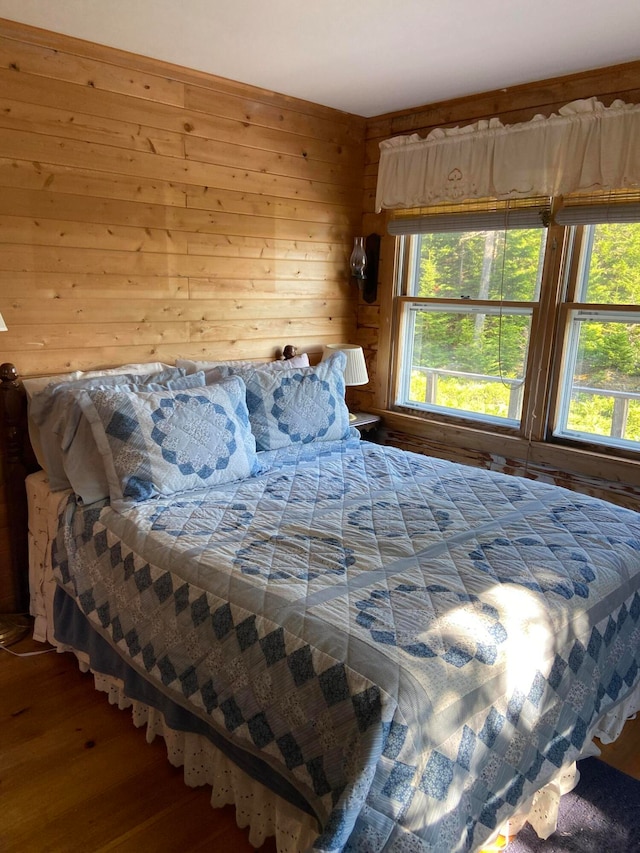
[161, 442]
[83, 463]
[35, 385]
[50, 414]
[300, 405]
[216, 370]
[150, 368]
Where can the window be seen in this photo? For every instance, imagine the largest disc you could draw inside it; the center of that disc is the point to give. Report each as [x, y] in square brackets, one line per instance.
[470, 292]
[599, 393]
[491, 330]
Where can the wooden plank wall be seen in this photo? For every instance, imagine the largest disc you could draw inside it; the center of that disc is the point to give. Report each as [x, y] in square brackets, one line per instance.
[149, 212]
[584, 472]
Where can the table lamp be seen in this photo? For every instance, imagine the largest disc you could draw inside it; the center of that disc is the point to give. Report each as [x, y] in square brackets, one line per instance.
[355, 372]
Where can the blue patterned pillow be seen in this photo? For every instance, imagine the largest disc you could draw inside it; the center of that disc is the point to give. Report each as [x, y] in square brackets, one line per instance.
[83, 464]
[298, 405]
[52, 413]
[161, 442]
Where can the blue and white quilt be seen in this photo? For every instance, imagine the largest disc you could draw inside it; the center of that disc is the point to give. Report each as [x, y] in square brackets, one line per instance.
[415, 646]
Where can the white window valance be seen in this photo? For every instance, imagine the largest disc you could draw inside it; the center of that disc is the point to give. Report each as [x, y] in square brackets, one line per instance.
[585, 146]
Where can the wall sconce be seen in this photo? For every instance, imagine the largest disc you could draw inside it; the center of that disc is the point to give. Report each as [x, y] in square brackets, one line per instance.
[364, 265]
[358, 259]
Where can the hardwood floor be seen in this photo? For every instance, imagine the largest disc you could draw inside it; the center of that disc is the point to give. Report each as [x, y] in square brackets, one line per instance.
[77, 777]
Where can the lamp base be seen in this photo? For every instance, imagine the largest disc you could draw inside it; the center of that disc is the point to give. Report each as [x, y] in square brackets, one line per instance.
[13, 627]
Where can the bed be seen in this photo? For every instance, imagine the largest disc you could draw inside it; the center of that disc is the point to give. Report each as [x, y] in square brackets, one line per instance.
[365, 649]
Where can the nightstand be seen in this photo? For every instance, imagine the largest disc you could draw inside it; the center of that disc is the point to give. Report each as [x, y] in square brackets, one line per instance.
[366, 423]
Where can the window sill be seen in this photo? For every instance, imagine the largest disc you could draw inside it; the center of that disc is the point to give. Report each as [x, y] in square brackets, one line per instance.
[561, 461]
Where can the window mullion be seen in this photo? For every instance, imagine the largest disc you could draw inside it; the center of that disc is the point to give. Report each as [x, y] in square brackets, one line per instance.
[544, 342]
[574, 267]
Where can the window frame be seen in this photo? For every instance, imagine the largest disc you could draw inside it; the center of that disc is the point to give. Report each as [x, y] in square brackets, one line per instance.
[576, 236]
[405, 264]
[406, 303]
[547, 352]
[560, 414]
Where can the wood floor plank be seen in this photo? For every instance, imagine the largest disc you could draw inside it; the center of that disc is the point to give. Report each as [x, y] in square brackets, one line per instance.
[98, 785]
[624, 753]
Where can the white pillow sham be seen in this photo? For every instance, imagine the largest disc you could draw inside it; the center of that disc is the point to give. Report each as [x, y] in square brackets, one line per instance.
[214, 371]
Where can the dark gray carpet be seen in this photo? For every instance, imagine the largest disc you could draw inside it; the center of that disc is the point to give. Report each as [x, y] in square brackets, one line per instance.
[600, 815]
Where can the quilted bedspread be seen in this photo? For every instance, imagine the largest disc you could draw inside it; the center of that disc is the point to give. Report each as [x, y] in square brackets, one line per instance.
[416, 646]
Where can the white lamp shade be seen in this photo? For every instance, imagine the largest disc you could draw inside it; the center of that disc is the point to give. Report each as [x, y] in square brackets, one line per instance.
[3, 325]
[355, 373]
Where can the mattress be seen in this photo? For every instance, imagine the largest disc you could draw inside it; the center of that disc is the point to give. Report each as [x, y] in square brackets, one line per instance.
[281, 610]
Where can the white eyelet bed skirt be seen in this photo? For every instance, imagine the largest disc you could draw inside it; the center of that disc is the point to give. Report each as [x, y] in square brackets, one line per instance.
[263, 812]
[266, 814]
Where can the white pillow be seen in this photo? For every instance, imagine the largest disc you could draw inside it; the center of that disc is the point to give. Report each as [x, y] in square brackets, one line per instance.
[141, 367]
[214, 371]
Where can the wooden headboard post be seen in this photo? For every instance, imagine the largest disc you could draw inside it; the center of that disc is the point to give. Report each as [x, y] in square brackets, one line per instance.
[17, 461]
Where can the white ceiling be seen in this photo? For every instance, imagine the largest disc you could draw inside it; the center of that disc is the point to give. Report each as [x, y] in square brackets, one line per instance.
[366, 57]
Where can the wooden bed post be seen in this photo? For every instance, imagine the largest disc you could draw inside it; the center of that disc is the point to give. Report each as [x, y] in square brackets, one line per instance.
[13, 450]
